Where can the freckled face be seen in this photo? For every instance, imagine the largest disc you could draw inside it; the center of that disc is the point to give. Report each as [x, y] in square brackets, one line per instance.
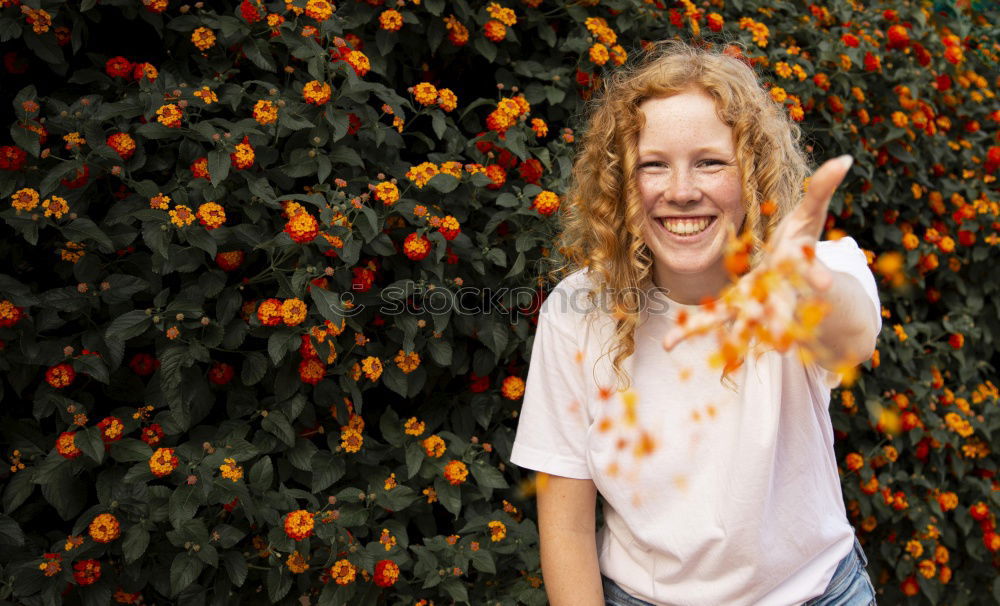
[690, 188]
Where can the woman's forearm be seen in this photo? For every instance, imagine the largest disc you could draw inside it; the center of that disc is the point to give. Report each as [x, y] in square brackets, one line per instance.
[569, 567]
[847, 333]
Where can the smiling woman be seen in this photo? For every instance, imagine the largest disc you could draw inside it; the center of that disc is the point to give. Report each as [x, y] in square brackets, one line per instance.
[714, 492]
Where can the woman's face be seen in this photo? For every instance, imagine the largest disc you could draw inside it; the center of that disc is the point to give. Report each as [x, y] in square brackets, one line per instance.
[690, 188]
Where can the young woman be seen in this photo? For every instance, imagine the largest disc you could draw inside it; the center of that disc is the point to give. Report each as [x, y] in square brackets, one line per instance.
[719, 486]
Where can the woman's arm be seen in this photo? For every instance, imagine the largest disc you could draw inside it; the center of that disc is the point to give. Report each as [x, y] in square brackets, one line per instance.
[567, 531]
[849, 330]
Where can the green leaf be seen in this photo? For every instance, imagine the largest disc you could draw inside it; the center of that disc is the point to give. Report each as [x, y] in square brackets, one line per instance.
[236, 567]
[443, 183]
[328, 305]
[183, 571]
[483, 560]
[183, 504]
[83, 229]
[93, 366]
[414, 459]
[254, 368]
[440, 351]
[134, 543]
[10, 532]
[277, 424]
[449, 496]
[279, 582]
[326, 469]
[218, 166]
[202, 238]
[90, 442]
[394, 379]
[18, 489]
[488, 476]
[130, 450]
[262, 474]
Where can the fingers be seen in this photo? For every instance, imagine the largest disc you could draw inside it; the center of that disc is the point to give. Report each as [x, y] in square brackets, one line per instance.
[822, 184]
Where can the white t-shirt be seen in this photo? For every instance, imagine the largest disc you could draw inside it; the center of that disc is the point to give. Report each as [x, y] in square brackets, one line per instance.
[739, 501]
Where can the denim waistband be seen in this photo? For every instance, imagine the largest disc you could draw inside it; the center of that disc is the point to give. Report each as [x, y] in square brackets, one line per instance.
[844, 574]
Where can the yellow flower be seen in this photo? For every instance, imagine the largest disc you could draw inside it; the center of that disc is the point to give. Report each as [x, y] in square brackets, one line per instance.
[159, 202]
[501, 14]
[293, 311]
[900, 332]
[618, 54]
[320, 10]
[447, 100]
[296, 563]
[498, 530]
[343, 572]
[425, 93]
[55, 206]
[351, 439]
[181, 216]
[316, 92]
[230, 470]
[265, 112]
[434, 446]
[211, 215]
[598, 54]
[207, 95]
[372, 367]
[386, 539]
[104, 528]
[169, 115]
[203, 38]
[783, 69]
[414, 427]
[407, 362]
[25, 199]
[422, 173]
[915, 548]
[390, 482]
[390, 20]
[778, 94]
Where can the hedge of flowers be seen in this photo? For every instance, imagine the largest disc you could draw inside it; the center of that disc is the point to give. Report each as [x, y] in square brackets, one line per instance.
[246, 353]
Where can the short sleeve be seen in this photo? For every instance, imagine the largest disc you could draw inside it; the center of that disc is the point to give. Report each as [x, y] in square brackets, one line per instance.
[552, 426]
[845, 256]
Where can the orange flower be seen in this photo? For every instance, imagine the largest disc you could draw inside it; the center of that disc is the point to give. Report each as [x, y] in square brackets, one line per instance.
[390, 20]
[498, 530]
[299, 524]
[316, 93]
[456, 472]
[434, 446]
[512, 388]
[211, 215]
[854, 461]
[343, 572]
[104, 528]
[293, 312]
[163, 462]
[494, 30]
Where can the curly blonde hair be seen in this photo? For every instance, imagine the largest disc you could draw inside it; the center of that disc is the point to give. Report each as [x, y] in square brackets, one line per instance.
[603, 218]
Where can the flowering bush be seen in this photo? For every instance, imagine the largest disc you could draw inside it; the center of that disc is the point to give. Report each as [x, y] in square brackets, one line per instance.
[235, 355]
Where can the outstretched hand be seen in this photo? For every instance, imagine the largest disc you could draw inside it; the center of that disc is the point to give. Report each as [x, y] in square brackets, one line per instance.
[771, 301]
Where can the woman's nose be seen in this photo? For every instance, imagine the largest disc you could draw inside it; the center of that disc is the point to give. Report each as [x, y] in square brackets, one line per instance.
[682, 188]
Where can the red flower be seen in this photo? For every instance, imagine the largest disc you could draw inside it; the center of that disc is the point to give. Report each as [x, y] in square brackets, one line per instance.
[143, 364]
[354, 124]
[152, 434]
[250, 11]
[82, 176]
[199, 168]
[478, 384]
[231, 260]
[363, 279]
[221, 373]
[872, 62]
[531, 170]
[60, 375]
[112, 429]
[12, 157]
[386, 573]
[497, 175]
[850, 40]
[86, 572]
[956, 340]
[416, 247]
[118, 67]
[898, 37]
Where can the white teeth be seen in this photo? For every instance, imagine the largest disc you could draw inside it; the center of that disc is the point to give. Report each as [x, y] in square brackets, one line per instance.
[685, 227]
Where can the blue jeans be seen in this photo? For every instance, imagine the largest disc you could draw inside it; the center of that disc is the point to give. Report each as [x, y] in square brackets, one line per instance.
[850, 586]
